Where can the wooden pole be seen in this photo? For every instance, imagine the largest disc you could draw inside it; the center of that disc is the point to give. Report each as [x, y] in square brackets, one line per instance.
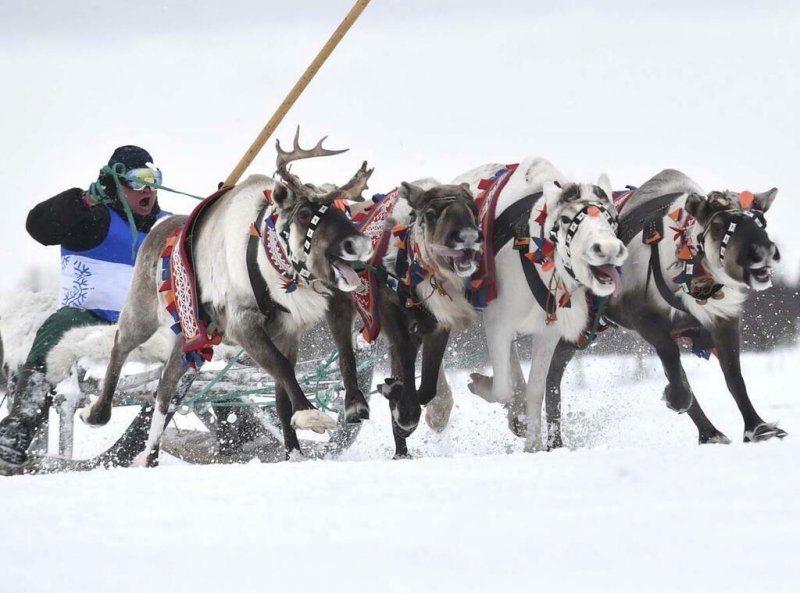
[296, 91]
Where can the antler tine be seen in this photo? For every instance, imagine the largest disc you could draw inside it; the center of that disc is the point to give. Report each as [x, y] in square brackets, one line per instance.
[297, 153]
[353, 189]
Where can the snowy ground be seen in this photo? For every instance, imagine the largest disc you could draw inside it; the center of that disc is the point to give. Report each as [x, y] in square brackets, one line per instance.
[633, 505]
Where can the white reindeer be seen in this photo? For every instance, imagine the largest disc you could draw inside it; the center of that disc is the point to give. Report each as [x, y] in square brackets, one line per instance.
[579, 221]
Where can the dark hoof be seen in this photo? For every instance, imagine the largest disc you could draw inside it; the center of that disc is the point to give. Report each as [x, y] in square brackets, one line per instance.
[11, 457]
[677, 401]
[713, 439]
[94, 417]
[554, 443]
[764, 432]
[518, 424]
[398, 456]
[356, 413]
[391, 388]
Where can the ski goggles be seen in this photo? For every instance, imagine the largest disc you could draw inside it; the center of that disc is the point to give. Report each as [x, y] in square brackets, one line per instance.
[138, 179]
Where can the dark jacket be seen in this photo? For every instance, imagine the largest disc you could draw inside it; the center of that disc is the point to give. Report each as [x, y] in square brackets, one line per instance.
[68, 220]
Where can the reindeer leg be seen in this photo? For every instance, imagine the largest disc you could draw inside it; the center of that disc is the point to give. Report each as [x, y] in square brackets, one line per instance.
[726, 338]
[482, 386]
[707, 432]
[130, 334]
[437, 413]
[433, 348]
[655, 328]
[283, 406]
[340, 320]
[541, 356]
[561, 357]
[402, 396]
[175, 381]
[252, 330]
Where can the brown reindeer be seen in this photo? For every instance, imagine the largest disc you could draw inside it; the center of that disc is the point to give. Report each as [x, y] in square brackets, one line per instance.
[422, 293]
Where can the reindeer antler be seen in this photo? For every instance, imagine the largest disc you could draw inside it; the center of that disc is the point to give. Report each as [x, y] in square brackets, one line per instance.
[353, 189]
[296, 154]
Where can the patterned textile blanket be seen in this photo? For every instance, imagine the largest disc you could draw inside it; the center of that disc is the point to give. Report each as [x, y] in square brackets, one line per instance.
[374, 223]
[483, 289]
[180, 286]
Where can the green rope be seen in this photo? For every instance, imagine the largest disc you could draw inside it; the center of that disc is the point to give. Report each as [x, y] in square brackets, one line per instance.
[174, 191]
[98, 195]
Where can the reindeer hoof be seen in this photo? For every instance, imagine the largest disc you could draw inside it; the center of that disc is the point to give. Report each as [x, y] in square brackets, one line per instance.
[295, 456]
[400, 456]
[714, 439]
[437, 413]
[391, 388]
[481, 385]
[356, 409]
[676, 401]
[554, 443]
[356, 412]
[764, 432]
[517, 424]
[92, 417]
[314, 420]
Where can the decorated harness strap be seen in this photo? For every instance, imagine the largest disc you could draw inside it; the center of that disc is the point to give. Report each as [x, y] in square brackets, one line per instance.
[483, 288]
[372, 222]
[181, 291]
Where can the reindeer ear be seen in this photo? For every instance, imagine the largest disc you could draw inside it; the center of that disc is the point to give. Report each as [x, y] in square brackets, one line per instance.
[604, 183]
[697, 205]
[412, 193]
[282, 196]
[552, 193]
[764, 200]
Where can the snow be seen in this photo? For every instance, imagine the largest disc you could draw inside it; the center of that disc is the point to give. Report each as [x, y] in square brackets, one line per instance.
[634, 505]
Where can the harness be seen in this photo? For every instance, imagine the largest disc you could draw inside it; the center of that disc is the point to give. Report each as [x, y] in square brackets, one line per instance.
[648, 218]
[513, 222]
[279, 253]
[590, 209]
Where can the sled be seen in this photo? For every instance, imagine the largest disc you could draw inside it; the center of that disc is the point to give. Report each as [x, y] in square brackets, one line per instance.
[233, 399]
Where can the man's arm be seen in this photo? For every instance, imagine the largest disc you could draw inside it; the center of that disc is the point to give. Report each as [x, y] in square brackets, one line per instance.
[68, 220]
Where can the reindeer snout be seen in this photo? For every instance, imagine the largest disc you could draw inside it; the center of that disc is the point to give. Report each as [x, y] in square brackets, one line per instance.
[356, 248]
[758, 255]
[609, 251]
[465, 238]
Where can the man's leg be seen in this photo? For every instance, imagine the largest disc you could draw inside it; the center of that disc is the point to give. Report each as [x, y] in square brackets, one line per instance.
[30, 399]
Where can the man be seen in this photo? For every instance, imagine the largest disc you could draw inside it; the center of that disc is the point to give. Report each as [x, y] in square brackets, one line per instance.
[100, 231]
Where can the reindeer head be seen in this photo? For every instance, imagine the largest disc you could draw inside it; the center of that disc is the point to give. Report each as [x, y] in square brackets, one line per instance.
[734, 237]
[446, 217]
[322, 240]
[581, 221]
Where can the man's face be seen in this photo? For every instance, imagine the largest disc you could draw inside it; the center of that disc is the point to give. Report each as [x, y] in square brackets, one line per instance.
[142, 201]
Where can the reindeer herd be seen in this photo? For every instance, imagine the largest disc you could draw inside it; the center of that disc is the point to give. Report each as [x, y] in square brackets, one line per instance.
[561, 261]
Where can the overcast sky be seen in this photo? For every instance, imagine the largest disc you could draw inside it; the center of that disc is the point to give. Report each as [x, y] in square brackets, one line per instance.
[419, 88]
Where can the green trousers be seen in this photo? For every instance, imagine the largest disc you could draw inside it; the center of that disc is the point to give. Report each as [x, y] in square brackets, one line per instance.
[54, 328]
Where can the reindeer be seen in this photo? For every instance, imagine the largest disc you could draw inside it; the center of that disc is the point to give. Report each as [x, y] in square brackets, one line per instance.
[727, 236]
[577, 255]
[421, 297]
[252, 305]
[669, 291]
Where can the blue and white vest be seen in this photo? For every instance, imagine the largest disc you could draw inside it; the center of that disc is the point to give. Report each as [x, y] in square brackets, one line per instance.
[98, 279]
